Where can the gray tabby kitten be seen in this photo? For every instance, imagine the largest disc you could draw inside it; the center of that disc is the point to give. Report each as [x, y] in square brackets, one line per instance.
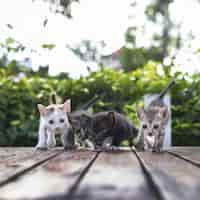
[107, 129]
[53, 120]
[153, 120]
[75, 120]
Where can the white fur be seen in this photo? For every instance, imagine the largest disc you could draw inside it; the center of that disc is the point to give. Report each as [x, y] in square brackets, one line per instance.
[149, 142]
[47, 129]
[42, 143]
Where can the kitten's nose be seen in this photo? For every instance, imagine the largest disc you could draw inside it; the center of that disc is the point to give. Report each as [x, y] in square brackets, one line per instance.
[150, 133]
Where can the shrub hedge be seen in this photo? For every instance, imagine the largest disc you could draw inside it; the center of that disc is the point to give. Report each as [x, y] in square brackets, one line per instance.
[19, 117]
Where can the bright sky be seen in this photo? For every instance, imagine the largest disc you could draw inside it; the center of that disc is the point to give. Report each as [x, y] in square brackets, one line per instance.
[93, 19]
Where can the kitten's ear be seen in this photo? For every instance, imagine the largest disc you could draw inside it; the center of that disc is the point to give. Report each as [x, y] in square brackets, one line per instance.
[67, 106]
[140, 113]
[164, 113]
[111, 116]
[41, 108]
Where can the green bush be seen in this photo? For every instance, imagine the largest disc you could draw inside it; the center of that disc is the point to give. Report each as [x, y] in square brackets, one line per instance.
[19, 117]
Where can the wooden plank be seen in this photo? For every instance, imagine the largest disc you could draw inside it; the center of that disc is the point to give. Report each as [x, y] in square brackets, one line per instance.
[151, 180]
[115, 175]
[17, 161]
[11, 153]
[175, 178]
[52, 180]
[190, 154]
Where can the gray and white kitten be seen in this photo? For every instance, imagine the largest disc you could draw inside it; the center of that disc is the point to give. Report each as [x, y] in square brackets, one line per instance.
[53, 120]
[153, 120]
[107, 129]
[78, 129]
[75, 120]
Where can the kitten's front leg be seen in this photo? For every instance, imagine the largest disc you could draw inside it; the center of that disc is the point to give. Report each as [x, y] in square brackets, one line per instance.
[67, 138]
[42, 145]
[158, 143]
[100, 139]
[146, 144]
[155, 145]
[107, 144]
[51, 140]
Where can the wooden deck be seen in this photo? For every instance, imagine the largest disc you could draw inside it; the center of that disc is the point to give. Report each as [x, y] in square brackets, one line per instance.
[115, 175]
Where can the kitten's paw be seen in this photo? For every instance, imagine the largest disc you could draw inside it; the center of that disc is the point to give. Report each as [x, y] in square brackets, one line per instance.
[154, 150]
[70, 147]
[157, 150]
[41, 147]
[139, 148]
[114, 148]
[111, 148]
[160, 151]
[98, 147]
[51, 145]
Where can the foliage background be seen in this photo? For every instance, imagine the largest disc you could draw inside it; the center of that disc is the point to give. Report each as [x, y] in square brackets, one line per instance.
[144, 70]
[19, 117]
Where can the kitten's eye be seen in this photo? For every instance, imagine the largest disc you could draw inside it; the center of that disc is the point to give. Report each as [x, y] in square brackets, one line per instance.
[62, 120]
[156, 126]
[51, 121]
[144, 126]
[51, 109]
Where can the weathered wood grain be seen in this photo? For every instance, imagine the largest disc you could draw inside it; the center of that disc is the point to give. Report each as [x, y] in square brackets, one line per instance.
[189, 154]
[116, 176]
[113, 175]
[52, 180]
[176, 178]
[18, 161]
[11, 154]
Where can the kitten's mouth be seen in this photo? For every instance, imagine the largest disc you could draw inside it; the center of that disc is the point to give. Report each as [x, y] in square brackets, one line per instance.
[57, 131]
[151, 140]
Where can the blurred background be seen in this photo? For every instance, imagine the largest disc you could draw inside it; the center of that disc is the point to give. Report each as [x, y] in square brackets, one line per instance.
[79, 48]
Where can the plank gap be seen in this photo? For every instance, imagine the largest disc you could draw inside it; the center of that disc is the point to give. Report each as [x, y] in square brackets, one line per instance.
[185, 158]
[55, 179]
[114, 175]
[75, 186]
[149, 177]
[24, 170]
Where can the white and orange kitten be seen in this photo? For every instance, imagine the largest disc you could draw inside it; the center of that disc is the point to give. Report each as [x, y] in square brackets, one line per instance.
[53, 120]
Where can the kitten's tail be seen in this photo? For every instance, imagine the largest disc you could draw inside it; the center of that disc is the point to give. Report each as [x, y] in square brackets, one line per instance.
[53, 98]
[90, 103]
[163, 93]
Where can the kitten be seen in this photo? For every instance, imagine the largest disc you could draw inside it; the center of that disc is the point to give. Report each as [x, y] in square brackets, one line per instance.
[107, 129]
[75, 120]
[54, 119]
[153, 120]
